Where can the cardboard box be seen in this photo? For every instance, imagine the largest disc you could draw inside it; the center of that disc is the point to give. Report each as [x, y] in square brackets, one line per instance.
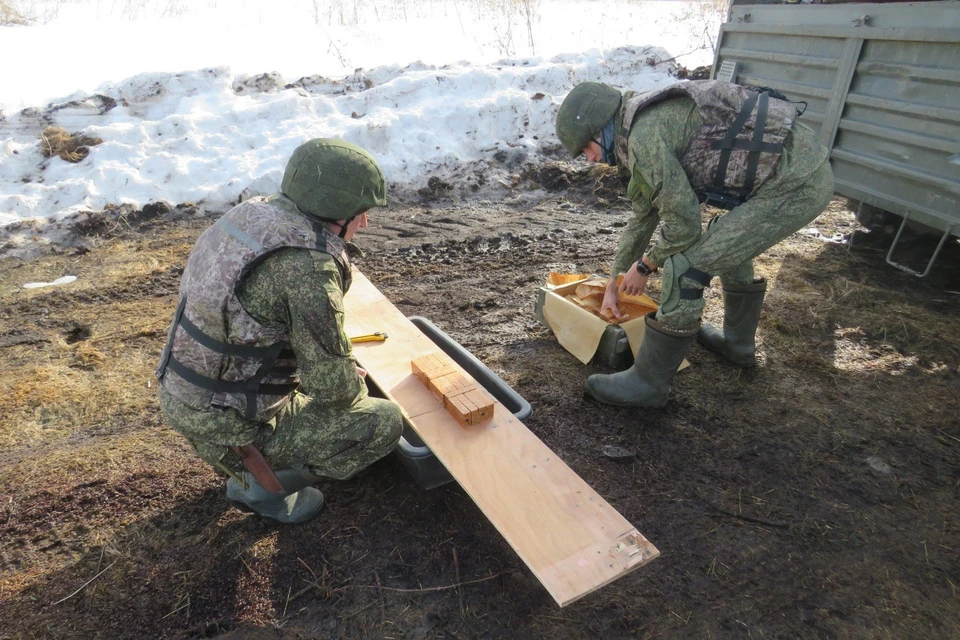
[585, 335]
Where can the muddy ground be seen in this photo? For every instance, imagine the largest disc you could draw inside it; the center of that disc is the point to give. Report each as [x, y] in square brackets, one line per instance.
[813, 497]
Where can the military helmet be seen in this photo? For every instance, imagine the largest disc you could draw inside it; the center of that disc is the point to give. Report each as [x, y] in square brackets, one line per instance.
[333, 180]
[585, 110]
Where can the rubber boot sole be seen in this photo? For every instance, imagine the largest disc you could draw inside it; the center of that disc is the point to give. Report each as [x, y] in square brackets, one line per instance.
[588, 394]
[742, 364]
[242, 506]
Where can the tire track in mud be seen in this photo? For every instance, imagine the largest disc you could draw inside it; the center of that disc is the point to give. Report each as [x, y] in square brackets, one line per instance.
[482, 289]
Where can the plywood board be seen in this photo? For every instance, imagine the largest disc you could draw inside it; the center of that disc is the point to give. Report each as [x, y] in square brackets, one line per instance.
[572, 539]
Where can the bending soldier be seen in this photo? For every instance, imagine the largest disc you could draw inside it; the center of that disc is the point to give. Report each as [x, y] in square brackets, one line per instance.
[257, 372]
[694, 142]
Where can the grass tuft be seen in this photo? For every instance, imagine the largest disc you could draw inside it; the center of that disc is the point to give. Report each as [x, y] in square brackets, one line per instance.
[72, 147]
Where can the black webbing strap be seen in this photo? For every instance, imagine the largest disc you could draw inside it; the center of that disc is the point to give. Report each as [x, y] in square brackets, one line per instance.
[754, 145]
[778, 95]
[222, 386]
[213, 344]
[249, 388]
[720, 200]
[343, 227]
[726, 144]
[748, 145]
[753, 159]
[698, 276]
[165, 356]
[285, 371]
[253, 385]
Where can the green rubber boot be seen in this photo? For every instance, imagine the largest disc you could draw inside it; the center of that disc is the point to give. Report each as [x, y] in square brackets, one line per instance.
[299, 504]
[647, 382]
[741, 315]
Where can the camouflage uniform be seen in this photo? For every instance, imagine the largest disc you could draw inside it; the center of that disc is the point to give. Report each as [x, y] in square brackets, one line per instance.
[689, 143]
[661, 193]
[330, 425]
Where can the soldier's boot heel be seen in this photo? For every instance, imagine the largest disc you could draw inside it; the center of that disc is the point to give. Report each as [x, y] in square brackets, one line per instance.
[300, 503]
[736, 342]
[647, 382]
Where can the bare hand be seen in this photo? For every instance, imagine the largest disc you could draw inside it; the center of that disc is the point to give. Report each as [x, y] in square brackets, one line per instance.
[634, 283]
[610, 299]
[362, 372]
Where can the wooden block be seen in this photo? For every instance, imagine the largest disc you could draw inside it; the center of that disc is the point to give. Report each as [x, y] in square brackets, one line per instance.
[439, 383]
[433, 365]
[421, 367]
[479, 404]
[459, 407]
[460, 410]
[458, 394]
[483, 402]
[473, 406]
[440, 361]
[446, 370]
[427, 366]
[456, 384]
[449, 385]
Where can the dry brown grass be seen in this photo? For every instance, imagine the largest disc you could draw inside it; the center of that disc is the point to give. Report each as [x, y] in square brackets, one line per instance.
[83, 385]
[78, 409]
[873, 326]
[72, 147]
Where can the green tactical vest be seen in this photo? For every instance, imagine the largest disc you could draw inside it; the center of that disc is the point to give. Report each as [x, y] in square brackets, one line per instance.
[738, 145]
[217, 355]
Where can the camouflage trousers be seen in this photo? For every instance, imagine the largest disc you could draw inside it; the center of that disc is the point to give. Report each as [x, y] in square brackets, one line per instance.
[334, 443]
[731, 241]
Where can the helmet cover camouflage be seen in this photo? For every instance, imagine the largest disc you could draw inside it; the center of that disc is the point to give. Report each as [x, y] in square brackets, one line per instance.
[585, 110]
[332, 179]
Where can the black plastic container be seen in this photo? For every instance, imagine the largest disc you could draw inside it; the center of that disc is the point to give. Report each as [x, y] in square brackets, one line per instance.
[413, 453]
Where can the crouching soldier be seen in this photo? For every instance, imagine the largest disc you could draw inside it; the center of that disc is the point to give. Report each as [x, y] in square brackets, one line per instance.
[695, 142]
[257, 372]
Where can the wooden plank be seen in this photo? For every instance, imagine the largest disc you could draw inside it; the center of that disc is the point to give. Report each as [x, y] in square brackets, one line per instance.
[571, 539]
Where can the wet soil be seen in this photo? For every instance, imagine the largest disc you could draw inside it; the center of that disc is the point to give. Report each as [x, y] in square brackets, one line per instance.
[813, 496]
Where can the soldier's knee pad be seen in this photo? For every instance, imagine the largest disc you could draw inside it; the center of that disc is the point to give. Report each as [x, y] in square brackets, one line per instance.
[681, 282]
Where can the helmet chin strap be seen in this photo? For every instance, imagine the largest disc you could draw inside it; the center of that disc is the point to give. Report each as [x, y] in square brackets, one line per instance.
[606, 141]
[343, 227]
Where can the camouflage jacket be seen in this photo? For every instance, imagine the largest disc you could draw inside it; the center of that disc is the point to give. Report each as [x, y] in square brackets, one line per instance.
[738, 143]
[660, 187]
[220, 352]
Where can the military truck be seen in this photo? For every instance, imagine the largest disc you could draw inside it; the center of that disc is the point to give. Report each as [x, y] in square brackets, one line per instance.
[881, 83]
